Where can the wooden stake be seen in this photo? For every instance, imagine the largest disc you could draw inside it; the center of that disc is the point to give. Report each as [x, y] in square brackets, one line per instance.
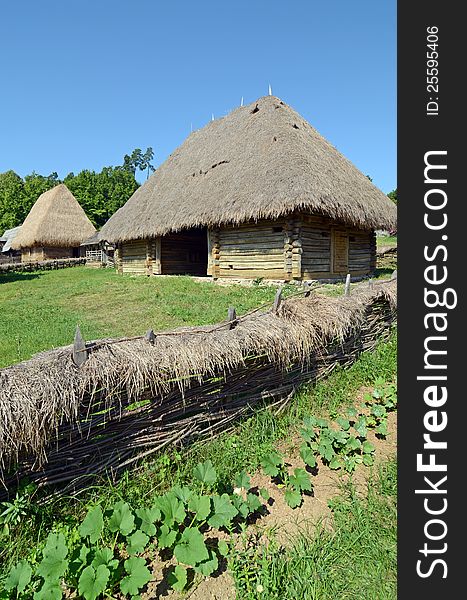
[277, 300]
[80, 354]
[307, 288]
[370, 283]
[232, 317]
[394, 274]
[347, 285]
[150, 336]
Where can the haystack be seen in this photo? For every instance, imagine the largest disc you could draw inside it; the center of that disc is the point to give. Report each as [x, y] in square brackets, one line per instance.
[54, 228]
[253, 191]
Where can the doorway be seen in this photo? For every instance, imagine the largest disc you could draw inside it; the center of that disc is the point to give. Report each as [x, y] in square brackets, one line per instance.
[185, 252]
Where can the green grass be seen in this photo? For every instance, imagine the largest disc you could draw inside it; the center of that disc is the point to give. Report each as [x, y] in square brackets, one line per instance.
[385, 240]
[354, 561]
[40, 310]
[243, 448]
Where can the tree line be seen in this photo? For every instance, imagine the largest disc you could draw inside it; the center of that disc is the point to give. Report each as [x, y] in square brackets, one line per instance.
[100, 194]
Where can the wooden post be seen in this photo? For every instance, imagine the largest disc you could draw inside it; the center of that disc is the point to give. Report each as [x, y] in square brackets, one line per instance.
[347, 285]
[277, 300]
[370, 283]
[307, 288]
[150, 336]
[157, 264]
[80, 354]
[394, 275]
[232, 317]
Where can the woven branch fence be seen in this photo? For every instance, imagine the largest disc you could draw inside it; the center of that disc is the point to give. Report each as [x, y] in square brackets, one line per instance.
[63, 424]
[44, 265]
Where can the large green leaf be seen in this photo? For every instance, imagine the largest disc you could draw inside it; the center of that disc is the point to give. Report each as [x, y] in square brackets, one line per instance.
[137, 542]
[207, 567]
[308, 456]
[201, 506]
[301, 480]
[172, 509]
[104, 556]
[19, 577]
[138, 576]
[166, 537]
[122, 519]
[271, 463]
[223, 511]
[92, 525]
[205, 472]
[242, 480]
[93, 582]
[293, 498]
[53, 564]
[177, 579]
[50, 590]
[183, 493]
[147, 517]
[191, 548]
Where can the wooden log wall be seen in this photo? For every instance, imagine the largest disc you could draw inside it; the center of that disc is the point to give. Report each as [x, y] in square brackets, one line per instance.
[250, 251]
[316, 247]
[133, 257]
[362, 251]
[39, 253]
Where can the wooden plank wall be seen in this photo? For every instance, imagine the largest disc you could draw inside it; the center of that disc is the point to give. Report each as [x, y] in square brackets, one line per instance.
[38, 253]
[362, 251]
[133, 257]
[316, 247]
[250, 251]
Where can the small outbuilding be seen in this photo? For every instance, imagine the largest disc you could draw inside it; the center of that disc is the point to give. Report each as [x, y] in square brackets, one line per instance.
[98, 252]
[54, 228]
[256, 194]
[7, 254]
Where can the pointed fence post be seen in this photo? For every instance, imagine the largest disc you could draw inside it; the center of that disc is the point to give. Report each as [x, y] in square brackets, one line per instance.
[307, 288]
[394, 275]
[150, 336]
[370, 283]
[80, 354]
[231, 317]
[347, 285]
[277, 300]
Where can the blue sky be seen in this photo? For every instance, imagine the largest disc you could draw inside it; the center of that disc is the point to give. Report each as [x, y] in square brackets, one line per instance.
[85, 82]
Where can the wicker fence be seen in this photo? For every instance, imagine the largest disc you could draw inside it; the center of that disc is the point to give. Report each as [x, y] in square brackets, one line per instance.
[44, 265]
[94, 408]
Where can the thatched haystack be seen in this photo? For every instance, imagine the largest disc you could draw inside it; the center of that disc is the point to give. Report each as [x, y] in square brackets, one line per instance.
[131, 397]
[54, 228]
[267, 196]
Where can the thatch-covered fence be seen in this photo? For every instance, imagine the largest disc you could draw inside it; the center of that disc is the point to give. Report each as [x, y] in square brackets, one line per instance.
[43, 265]
[61, 423]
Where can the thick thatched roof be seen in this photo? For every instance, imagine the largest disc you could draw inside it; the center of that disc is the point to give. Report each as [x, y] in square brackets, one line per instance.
[261, 161]
[56, 219]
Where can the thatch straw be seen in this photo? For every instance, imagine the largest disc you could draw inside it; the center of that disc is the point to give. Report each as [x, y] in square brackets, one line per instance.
[261, 161]
[56, 219]
[69, 421]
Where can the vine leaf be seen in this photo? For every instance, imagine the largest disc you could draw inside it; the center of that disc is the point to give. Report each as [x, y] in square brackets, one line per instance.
[201, 506]
[92, 525]
[138, 576]
[242, 480]
[208, 567]
[191, 548]
[147, 518]
[293, 498]
[205, 472]
[92, 582]
[137, 542]
[177, 578]
[271, 464]
[54, 563]
[308, 456]
[104, 556]
[301, 480]
[166, 538]
[122, 519]
[171, 508]
[19, 577]
[224, 511]
[51, 590]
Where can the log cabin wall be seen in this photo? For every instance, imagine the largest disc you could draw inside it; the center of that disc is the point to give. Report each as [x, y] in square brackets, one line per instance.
[39, 253]
[315, 237]
[184, 252]
[133, 257]
[249, 251]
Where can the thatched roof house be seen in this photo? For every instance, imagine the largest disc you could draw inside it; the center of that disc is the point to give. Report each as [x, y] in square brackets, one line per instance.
[54, 228]
[269, 191]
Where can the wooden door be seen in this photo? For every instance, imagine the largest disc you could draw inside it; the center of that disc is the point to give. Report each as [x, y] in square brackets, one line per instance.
[340, 252]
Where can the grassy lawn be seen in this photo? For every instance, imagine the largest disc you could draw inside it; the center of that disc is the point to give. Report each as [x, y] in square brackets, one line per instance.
[386, 240]
[40, 310]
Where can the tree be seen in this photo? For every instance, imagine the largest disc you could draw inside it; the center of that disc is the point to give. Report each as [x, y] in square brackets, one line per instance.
[393, 196]
[11, 200]
[138, 160]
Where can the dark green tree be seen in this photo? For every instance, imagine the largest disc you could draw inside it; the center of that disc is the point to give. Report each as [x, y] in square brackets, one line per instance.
[393, 196]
